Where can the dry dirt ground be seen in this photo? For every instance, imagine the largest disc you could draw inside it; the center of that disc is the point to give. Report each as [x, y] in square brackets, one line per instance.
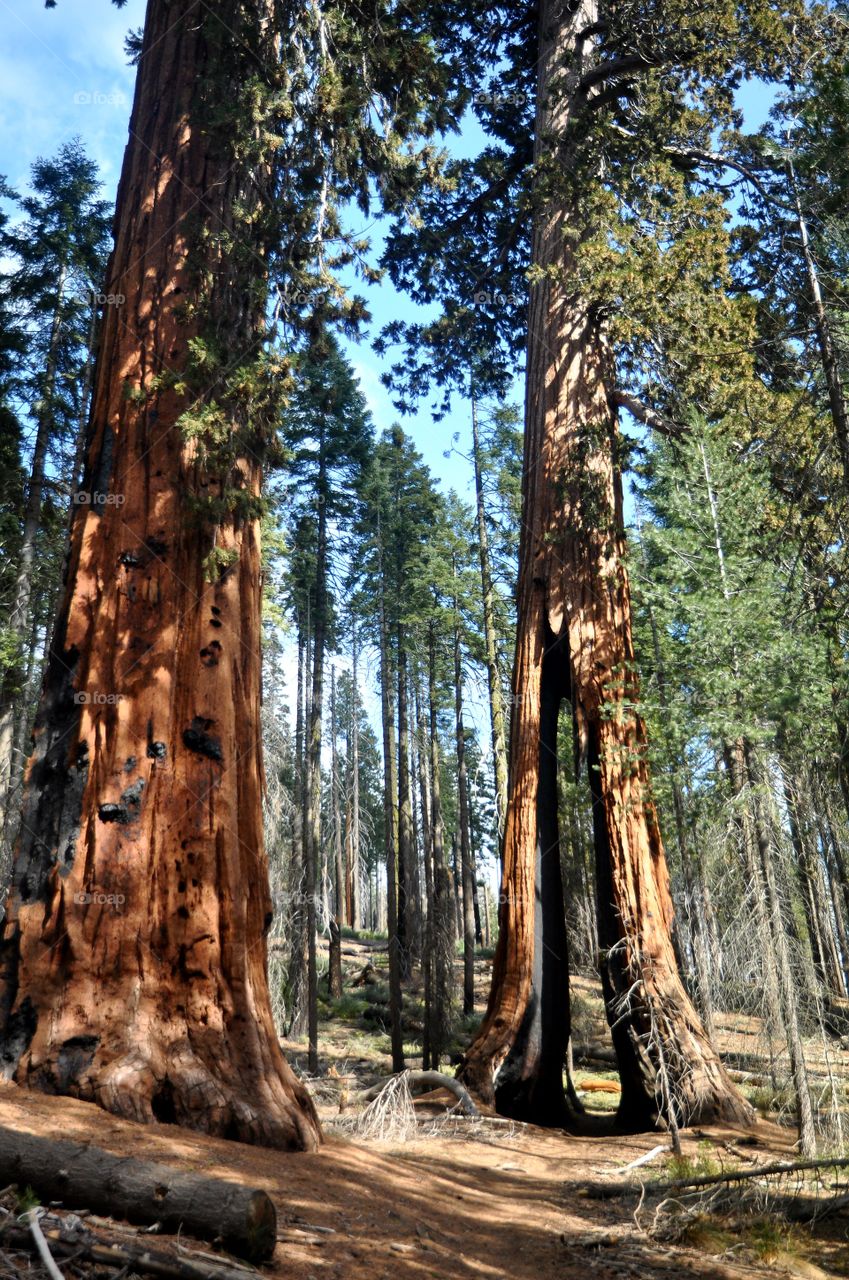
[456, 1198]
[476, 1207]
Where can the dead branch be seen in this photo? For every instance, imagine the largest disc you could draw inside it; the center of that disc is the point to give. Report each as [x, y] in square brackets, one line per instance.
[73, 1240]
[81, 1176]
[429, 1080]
[601, 1191]
[31, 1218]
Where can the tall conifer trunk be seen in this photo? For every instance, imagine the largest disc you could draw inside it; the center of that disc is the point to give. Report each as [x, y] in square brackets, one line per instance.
[493, 674]
[19, 619]
[467, 872]
[574, 640]
[133, 955]
[390, 799]
[313, 763]
[409, 944]
[354, 867]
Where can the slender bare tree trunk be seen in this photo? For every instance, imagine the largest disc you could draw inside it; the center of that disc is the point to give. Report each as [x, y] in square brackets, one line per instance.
[423, 767]
[409, 935]
[466, 868]
[390, 795]
[335, 971]
[313, 762]
[299, 954]
[782, 959]
[691, 867]
[811, 886]
[356, 894]
[438, 968]
[493, 673]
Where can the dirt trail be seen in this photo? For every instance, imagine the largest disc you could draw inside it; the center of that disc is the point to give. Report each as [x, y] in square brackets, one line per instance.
[494, 1205]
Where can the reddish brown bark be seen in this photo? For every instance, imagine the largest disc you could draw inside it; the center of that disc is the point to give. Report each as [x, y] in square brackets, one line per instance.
[133, 951]
[574, 641]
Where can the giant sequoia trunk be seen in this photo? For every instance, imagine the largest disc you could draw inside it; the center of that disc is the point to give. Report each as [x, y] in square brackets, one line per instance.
[133, 955]
[574, 640]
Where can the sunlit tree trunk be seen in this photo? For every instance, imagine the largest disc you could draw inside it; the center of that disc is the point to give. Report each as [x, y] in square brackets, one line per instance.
[574, 641]
[133, 954]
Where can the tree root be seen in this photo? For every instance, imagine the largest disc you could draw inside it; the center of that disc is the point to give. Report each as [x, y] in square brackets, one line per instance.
[430, 1080]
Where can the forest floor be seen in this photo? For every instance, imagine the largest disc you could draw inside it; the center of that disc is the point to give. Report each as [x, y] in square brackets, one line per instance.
[438, 1195]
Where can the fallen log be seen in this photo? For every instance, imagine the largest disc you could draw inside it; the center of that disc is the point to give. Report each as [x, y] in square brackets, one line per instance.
[592, 1052]
[367, 977]
[431, 1080]
[605, 1190]
[598, 1086]
[243, 1219]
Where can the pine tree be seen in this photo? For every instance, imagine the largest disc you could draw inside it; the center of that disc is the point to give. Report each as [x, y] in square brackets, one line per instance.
[58, 250]
[327, 432]
[725, 621]
[398, 507]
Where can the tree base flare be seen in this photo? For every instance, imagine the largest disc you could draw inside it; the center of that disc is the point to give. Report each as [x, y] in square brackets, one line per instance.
[266, 1105]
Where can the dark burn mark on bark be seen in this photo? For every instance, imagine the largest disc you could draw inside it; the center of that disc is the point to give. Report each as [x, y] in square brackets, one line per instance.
[102, 472]
[140, 557]
[129, 764]
[20, 1029]
[198, 739]
[52, 803]
[209, 655]
[74, 1056]
[155, 750]
[128, 809]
